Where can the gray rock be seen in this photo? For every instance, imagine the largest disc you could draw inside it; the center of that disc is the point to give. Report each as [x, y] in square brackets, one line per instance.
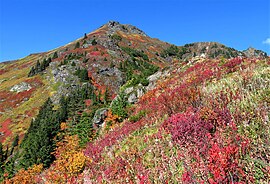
[132, 98]
[126, 28]
[23, 86]
[100, 116]
[65, 80]
[155, 76]
[129, 90]
[140, 92]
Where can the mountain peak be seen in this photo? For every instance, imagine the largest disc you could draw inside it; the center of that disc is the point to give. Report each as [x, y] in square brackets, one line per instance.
[114, 26]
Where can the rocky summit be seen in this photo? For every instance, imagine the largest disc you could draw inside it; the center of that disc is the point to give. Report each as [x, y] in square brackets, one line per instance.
[117, 106]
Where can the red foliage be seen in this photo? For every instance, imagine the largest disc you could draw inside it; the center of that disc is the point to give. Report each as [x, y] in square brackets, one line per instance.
[233, 63]
[95, 53]
[189, 129]
[200, 127]
[2, 71]
[88, 102]
[201, 134]
[11, 99]
[5, 130]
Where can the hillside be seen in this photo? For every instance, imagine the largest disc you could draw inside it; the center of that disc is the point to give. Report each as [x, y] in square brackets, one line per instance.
[118, 106]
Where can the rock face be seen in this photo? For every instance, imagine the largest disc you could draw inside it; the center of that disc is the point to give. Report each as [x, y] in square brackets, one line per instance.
[134, 93]
[126, 28]
[63, 80]
[251, 52]
[23, 86]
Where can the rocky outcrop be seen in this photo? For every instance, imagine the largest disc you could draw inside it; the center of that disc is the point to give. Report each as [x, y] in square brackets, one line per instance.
[135, 92]
[254, 53]
[23, 86]
[115, 26]
[63, 80]
[100, 116]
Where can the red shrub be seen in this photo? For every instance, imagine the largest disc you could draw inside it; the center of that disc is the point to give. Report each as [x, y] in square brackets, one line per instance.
[188, 129]
[210, 143]
[233, 63]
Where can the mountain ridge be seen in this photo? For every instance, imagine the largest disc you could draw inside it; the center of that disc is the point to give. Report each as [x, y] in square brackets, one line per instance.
[116, 26]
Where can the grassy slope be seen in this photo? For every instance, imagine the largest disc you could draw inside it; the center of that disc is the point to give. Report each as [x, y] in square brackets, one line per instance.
[230, 95]
[149, 154]
[22, 113]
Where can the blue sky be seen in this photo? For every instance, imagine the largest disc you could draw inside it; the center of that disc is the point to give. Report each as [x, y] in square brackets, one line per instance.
[30, 26]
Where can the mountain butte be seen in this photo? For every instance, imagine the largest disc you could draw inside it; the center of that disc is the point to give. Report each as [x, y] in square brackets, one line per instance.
[92, 73]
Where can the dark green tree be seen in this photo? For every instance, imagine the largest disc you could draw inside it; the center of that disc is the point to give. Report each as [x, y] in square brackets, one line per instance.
[77, 45]
[55, 55]
[119, 106]
[31, 72]
[14, 143]
[94, 42]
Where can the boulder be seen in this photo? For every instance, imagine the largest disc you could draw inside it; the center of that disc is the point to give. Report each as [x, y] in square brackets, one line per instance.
[100, 116]
[23, 86]
[132, 98]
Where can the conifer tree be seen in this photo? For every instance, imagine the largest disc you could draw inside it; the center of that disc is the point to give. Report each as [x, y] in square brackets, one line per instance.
[77, 45]
[55, 55]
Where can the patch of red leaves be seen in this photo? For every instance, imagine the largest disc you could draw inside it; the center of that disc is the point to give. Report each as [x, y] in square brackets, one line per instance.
[2, 71]
[11, 100]
[5, 130]
[95, 53]
[88, 102]
[28, 64]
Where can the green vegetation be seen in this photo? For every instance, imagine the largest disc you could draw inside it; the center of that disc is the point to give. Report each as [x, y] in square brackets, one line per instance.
[135, 53]
[77, 45]
[38, 143]
[137, 68]
[55, 55]
[83, 128]
[116, 37]
[119, 106]
[175, 51]
[137, 117]
[94, 42]
[82, 74]
[39, 67]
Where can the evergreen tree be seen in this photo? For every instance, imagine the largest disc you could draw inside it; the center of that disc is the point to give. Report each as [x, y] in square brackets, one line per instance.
[38, 145]
[55, 55]
[77, 45]
[106, 96]
[31, 72]
[38, 67]
[1, 158]
[119, 106]
[94, 42]
[14, 143]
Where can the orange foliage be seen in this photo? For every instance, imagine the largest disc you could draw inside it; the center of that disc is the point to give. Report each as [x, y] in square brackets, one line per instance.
[63, 126]
[70, 160]
[111, 118]
[26, 176]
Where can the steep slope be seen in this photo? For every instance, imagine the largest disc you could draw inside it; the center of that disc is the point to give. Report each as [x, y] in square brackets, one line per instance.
[133, 98]
[100, 52]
